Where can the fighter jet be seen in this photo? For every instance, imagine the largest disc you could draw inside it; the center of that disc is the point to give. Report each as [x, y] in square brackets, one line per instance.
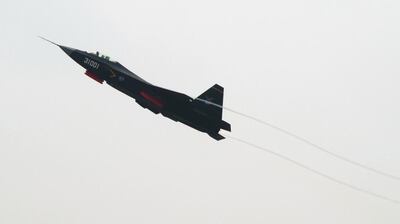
[203, 113]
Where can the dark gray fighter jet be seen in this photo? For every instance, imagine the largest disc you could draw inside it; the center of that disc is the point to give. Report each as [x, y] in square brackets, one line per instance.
[203, 113]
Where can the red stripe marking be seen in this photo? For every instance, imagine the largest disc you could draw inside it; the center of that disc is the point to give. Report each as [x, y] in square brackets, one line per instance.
[94, 76]
[151, 98]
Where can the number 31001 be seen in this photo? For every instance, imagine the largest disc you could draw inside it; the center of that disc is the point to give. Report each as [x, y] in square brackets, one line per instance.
[91, 63]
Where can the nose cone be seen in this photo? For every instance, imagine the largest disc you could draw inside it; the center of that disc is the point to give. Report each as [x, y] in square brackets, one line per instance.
[67, 50]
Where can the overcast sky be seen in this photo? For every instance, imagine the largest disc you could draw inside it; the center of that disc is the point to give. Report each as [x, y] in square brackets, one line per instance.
[75, 151]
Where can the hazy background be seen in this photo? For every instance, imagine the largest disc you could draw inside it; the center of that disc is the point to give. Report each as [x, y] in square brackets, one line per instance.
[74, 151]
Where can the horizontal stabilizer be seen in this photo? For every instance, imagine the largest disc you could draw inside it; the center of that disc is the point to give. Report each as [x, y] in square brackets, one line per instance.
[216, 136]
[225, 125]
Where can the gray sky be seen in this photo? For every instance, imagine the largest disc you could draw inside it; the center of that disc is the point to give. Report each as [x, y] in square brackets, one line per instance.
[74, 151]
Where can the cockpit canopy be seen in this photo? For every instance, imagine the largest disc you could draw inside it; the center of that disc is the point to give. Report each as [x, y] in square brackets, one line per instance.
[102, 56]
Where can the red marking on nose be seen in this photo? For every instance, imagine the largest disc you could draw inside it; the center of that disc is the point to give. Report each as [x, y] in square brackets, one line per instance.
[94, 76]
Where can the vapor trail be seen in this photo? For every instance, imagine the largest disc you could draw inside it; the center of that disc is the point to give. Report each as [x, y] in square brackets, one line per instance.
[370, 193]
[322, 149]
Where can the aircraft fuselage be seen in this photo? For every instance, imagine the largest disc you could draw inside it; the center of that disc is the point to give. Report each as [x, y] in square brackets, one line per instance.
[174, 105]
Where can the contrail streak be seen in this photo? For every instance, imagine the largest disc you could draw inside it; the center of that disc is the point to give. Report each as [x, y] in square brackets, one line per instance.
[370, 193]
[322, 149]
